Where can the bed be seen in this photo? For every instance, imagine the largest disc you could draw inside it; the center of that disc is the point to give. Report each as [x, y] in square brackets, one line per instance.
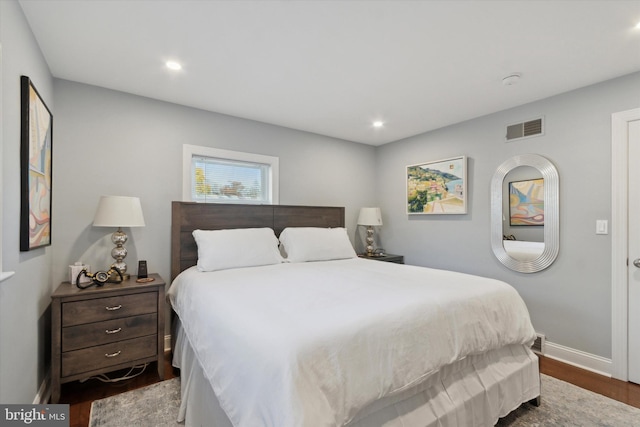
[339, 341]
[523, 250]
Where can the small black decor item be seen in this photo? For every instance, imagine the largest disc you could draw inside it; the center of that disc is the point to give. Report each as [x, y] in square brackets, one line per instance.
[36, 135]
[142, 270]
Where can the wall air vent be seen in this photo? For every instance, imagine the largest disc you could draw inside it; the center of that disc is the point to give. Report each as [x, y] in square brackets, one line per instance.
[526, 129]
[538, 344]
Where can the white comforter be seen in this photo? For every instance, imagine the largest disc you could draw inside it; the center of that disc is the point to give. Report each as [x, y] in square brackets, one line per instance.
[522, 250]
[310, 344]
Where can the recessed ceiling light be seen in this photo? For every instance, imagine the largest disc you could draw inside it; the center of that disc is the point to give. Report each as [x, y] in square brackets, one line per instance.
[638, 26]
[378, 124]
[173, 65]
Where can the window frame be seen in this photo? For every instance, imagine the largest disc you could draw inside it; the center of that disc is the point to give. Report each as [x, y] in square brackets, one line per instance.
[190, 151]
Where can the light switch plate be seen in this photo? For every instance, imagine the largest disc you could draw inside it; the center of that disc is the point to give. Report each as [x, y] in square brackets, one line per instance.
[602, 226]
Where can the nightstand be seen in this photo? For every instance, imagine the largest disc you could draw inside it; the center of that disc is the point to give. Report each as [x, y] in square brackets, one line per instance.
[398, 259]
[103, 329]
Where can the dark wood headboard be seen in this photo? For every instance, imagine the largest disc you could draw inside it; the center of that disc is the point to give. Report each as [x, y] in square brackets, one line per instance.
[189, 216]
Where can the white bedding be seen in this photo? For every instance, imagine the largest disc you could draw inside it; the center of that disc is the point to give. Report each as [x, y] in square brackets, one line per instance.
[313, 343]
[523, 250]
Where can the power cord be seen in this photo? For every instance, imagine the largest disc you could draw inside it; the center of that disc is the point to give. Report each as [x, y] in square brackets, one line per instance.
[105, 379]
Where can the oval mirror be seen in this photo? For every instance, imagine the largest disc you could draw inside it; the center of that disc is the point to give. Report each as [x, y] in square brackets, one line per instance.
[518, 187]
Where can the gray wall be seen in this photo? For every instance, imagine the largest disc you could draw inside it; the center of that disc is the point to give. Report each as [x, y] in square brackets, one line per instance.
[24, 298]
[112, 143]
[571, 300]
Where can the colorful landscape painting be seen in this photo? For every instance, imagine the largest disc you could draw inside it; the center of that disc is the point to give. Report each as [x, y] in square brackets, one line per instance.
[526, 202]
[437, 187]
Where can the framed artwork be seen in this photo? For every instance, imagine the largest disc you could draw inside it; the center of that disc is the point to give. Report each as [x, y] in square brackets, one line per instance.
[438, 187]
[36, 136]
[526, 202]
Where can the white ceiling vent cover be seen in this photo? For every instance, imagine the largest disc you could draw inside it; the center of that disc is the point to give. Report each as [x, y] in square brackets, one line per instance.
[526, 129]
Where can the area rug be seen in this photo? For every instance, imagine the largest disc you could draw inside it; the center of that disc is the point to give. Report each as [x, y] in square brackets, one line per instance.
[152, 406]
[563, 404]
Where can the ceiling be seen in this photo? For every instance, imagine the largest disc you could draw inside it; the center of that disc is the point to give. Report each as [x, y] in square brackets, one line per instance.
[334, 67]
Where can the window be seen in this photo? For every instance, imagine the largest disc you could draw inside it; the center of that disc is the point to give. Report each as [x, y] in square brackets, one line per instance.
[212, 175]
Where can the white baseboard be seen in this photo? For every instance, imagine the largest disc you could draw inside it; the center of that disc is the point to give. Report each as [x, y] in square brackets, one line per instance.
[591, 362]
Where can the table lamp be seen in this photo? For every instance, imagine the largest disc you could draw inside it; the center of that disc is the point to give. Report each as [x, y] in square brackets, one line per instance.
[119, 211]
[370, 217]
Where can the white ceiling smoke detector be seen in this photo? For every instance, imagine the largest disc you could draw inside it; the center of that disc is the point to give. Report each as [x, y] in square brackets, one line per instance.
[511, 79]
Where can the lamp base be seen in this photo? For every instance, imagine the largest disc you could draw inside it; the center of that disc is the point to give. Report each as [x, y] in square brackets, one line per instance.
[114, 278]
[369, 241]
[119, 238]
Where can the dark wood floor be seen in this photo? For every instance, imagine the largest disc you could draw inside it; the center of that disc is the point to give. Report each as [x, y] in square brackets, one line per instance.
[80, 395]
[625, 392]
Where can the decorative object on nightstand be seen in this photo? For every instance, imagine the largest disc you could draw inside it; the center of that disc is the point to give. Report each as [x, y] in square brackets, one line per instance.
[99, 278]
[119, 211]
[370, 217]
[104, 329]
[142, 269]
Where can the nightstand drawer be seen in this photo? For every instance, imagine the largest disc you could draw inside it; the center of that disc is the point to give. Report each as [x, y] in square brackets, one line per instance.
[76, 337]
[99, 309]
[92, 358]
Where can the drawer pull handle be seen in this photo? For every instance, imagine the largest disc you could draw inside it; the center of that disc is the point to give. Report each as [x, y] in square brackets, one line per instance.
[117, 353]
[113, 331]
[115, 307]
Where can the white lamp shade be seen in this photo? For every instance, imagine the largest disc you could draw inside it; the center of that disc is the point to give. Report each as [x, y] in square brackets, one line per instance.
[119, 211]
[370, 216]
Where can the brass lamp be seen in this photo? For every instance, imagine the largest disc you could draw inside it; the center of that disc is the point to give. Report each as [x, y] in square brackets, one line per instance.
[119, 211]
[370, 217]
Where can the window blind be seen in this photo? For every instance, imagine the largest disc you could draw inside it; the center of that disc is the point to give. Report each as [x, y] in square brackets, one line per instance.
[224, 180]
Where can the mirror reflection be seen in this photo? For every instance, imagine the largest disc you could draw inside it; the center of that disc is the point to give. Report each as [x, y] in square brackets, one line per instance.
[523, 213]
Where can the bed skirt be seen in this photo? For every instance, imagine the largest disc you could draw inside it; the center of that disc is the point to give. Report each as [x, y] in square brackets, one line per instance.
[475, 391]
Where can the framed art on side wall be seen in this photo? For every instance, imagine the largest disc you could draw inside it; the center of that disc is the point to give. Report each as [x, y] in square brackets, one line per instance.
[36, 136]
[438, 187]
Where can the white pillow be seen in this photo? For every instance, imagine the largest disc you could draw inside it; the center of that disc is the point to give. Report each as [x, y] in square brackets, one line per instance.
[303, 244]
[242, 247]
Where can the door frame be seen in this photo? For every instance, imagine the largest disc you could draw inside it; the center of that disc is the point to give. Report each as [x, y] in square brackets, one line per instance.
[619, 242]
